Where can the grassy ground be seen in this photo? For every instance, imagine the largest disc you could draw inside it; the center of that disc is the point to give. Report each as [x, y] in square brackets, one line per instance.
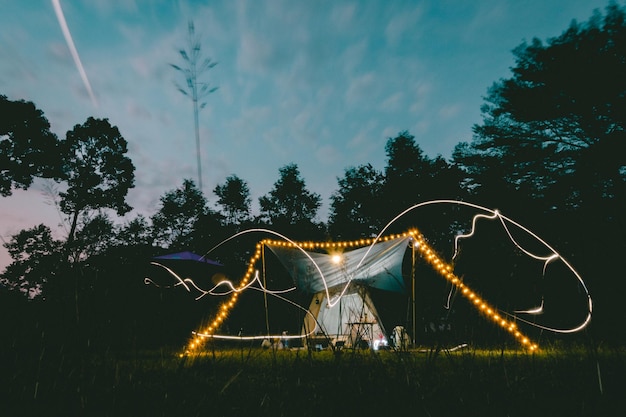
[256, 382]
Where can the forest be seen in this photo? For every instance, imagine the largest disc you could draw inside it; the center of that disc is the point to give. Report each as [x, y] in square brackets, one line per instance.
[549, 153]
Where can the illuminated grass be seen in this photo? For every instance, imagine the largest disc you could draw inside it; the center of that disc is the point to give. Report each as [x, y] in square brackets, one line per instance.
[252, 381]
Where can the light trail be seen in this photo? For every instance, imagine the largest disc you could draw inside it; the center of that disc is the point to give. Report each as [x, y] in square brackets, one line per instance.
[300, 248]
[187, 282]
[495, 214]
[445, 270]
[427, 252]
[268, 336]
[70, 44]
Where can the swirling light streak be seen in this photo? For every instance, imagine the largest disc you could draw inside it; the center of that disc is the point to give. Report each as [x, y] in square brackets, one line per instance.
[261, 337]
[496, 215]
[503, 219]
[197, 341]
[245, 283]
[302, 246]
[187, 282]
[209, 332]
[180, 281]
[333, 246]
[426, 251]
[445, 270]
[547, 259]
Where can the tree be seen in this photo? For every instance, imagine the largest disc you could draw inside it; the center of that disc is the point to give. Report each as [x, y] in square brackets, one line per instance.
[94, 236]
[35, 254]
[27, 147]
[563, 110]
[404, 157]
[97, 171]
[289, 207]
[135, 232]
[406, 169]
[356, 209]
[194, 66]
[411, 177]
[552, 138]
[234, 198]
[174, 223]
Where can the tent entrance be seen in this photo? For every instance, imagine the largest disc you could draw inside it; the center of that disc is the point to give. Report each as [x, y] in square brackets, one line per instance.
[348, 321]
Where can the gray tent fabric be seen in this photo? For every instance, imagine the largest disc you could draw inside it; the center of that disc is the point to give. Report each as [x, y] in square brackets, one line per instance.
[353, 320]
[341, 309]
[378, 266]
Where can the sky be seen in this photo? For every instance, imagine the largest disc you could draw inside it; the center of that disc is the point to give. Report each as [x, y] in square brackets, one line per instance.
[322, 84]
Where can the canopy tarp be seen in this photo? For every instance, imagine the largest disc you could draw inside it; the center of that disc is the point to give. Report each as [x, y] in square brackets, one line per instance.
[378, 266]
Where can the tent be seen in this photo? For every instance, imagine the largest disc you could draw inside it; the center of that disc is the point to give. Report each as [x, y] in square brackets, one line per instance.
[341, 310]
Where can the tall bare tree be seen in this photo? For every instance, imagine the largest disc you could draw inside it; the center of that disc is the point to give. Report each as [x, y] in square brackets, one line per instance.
[194, 65]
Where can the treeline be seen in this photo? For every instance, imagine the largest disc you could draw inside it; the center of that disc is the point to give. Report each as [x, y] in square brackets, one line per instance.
[549, 153]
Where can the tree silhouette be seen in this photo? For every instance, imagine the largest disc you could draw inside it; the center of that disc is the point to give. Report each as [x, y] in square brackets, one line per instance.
[561, 112]
[174, 223]
[412, 177]
[135, 232]
[35, 255]
[27, 147]
[289, 207]
[356, 209]
[405, 168]
[97, 171]
[95, 235]
[552, 141]
[194, 65]
[234, 198]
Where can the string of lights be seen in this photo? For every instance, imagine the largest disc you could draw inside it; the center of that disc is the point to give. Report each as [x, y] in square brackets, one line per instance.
[444, 269]
[505, 320]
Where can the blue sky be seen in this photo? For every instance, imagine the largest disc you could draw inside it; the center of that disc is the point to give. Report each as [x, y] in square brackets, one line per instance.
[322, 84]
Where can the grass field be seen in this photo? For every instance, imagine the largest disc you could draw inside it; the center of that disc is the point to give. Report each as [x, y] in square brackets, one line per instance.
[249, 381]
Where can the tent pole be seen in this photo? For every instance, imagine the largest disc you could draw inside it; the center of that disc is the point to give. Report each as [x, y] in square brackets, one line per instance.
[267, 319]
[413, 286]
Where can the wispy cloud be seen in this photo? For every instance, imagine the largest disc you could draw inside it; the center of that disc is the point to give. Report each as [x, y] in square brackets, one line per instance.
[70, 44]
[360, 88]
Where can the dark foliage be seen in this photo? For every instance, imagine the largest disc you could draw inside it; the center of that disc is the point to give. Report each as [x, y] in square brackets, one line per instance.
[27, 147]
